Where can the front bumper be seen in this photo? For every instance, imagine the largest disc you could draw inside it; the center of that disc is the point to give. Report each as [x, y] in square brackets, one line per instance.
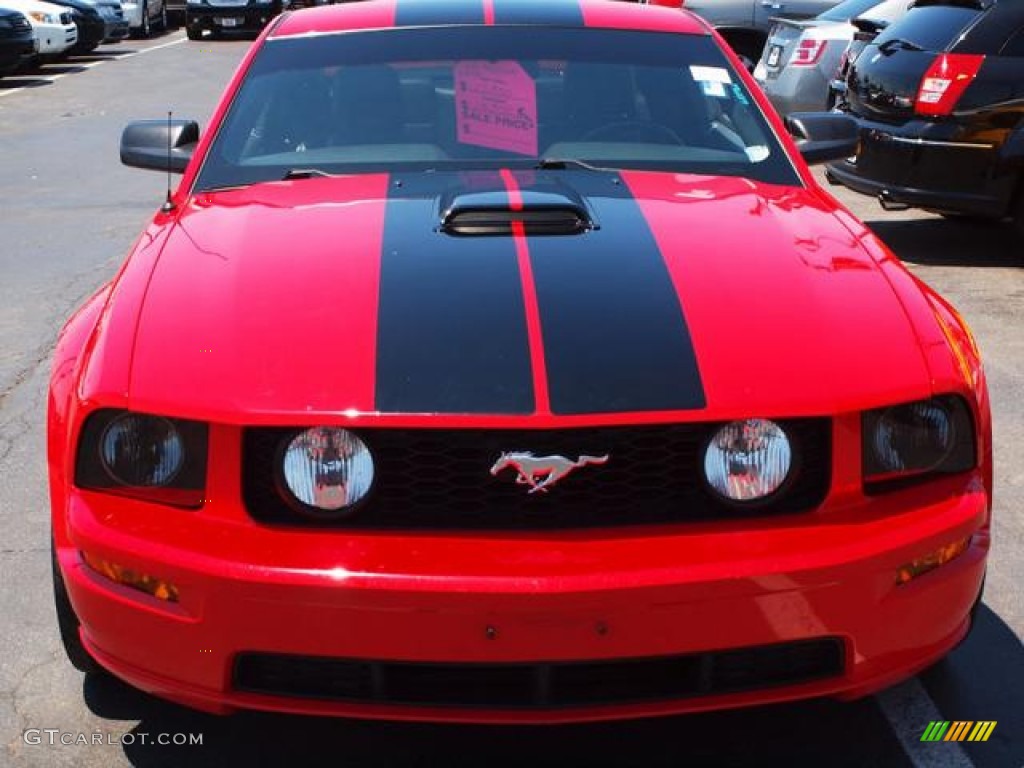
[213, 17]
[15, 52]
[55, 39]
[115, 30]
[454, 599]
[941, 166]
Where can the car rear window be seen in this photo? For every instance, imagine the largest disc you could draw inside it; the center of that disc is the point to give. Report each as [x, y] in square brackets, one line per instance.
[465, 98]
[931, 27]
[847, 9]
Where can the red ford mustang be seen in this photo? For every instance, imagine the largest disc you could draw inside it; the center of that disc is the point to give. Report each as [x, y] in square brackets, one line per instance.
[502, 361]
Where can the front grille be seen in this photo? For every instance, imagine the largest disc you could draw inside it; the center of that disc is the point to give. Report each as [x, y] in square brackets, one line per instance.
[548, 685]
[65, 18]
[440, 479]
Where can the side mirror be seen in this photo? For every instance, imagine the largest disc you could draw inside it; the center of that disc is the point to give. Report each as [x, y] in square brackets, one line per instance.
[823, 136]
[159, 145]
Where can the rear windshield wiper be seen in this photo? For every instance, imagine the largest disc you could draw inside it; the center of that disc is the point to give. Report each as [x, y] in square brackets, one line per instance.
[897, 43]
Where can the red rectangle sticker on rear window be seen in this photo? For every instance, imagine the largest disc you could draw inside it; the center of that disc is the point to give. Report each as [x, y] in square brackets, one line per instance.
[496, 106]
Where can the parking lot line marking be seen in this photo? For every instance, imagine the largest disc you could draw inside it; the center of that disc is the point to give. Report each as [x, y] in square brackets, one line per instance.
[909, 709]
[89, 65]
[177, 41]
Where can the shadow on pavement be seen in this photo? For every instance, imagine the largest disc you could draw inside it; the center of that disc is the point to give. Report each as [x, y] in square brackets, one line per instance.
[811, 733]
[13, 82]
[940, 242]
[983, 679]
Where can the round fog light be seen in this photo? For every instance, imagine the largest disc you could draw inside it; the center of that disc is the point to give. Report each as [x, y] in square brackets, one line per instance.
[748, 460]
[327, 469]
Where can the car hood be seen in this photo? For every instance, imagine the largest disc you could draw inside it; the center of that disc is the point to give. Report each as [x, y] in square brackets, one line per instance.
[686, 297]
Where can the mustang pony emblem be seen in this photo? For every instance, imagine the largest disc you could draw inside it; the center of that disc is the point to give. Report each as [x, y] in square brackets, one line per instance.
[539, 472]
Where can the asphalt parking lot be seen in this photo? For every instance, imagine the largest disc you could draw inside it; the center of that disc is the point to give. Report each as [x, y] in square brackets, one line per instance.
[68, 214]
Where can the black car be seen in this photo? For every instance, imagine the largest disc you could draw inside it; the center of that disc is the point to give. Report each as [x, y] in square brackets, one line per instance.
[939, 96]
[17, 43]
[218, 15]
[868, 27]
[98, 21]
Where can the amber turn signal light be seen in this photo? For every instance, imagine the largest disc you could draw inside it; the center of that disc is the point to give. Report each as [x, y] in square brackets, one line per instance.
[931, 561]
[161, 590]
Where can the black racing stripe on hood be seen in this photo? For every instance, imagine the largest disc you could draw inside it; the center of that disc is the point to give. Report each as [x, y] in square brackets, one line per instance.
[565, 13]
[414, 13]
[615, 337]
[452, 334]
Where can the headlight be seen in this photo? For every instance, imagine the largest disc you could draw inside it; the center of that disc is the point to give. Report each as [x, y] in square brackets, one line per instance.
[193, 2]
[748, 460]
[141, 450]
[149, 457]
[917, 440]
[326, 470]
[44, 18]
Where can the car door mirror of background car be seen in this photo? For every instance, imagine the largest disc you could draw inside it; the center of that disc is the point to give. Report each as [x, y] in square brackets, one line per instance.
[823, 136]
[159, 145]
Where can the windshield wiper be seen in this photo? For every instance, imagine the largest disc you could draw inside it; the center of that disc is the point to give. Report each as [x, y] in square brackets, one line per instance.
[564, 163]
[897, 43]
[306, 173]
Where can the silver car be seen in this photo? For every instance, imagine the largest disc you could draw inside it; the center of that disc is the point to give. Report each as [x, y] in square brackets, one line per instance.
[744, 24]
[801, 57]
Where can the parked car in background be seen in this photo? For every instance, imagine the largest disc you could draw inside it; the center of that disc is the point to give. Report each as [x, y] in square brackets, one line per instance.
[116, 26]
[217, 15]
[175, 12]
[939, 96]
[52, 26]
[867, 27]
[98, 21]
[144, 15]
[802, 57]
[745, 23]
[17, 42]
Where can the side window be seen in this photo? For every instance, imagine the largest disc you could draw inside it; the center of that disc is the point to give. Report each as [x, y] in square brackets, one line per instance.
[1015, 45]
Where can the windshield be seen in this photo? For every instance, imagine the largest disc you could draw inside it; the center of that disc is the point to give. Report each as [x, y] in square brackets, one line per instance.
[485, 97]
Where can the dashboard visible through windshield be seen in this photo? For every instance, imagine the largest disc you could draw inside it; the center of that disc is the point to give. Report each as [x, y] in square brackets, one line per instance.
[475, 98]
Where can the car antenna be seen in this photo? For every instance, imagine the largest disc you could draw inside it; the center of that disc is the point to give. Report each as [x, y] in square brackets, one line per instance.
[168, 205]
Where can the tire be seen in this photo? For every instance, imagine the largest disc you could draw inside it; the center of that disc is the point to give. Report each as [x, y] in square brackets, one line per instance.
[193, 31]
[67, 622]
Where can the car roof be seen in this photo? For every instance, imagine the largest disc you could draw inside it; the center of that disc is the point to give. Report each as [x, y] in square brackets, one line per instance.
[386, 14]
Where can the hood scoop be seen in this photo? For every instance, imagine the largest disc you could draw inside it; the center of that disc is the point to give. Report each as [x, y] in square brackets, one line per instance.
[490, 214]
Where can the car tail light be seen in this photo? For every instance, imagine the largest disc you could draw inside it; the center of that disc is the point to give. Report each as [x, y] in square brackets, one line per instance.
[807, 53]
[945, 82]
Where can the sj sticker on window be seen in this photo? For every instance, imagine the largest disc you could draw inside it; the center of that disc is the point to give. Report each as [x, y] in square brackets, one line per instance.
[496, 106]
